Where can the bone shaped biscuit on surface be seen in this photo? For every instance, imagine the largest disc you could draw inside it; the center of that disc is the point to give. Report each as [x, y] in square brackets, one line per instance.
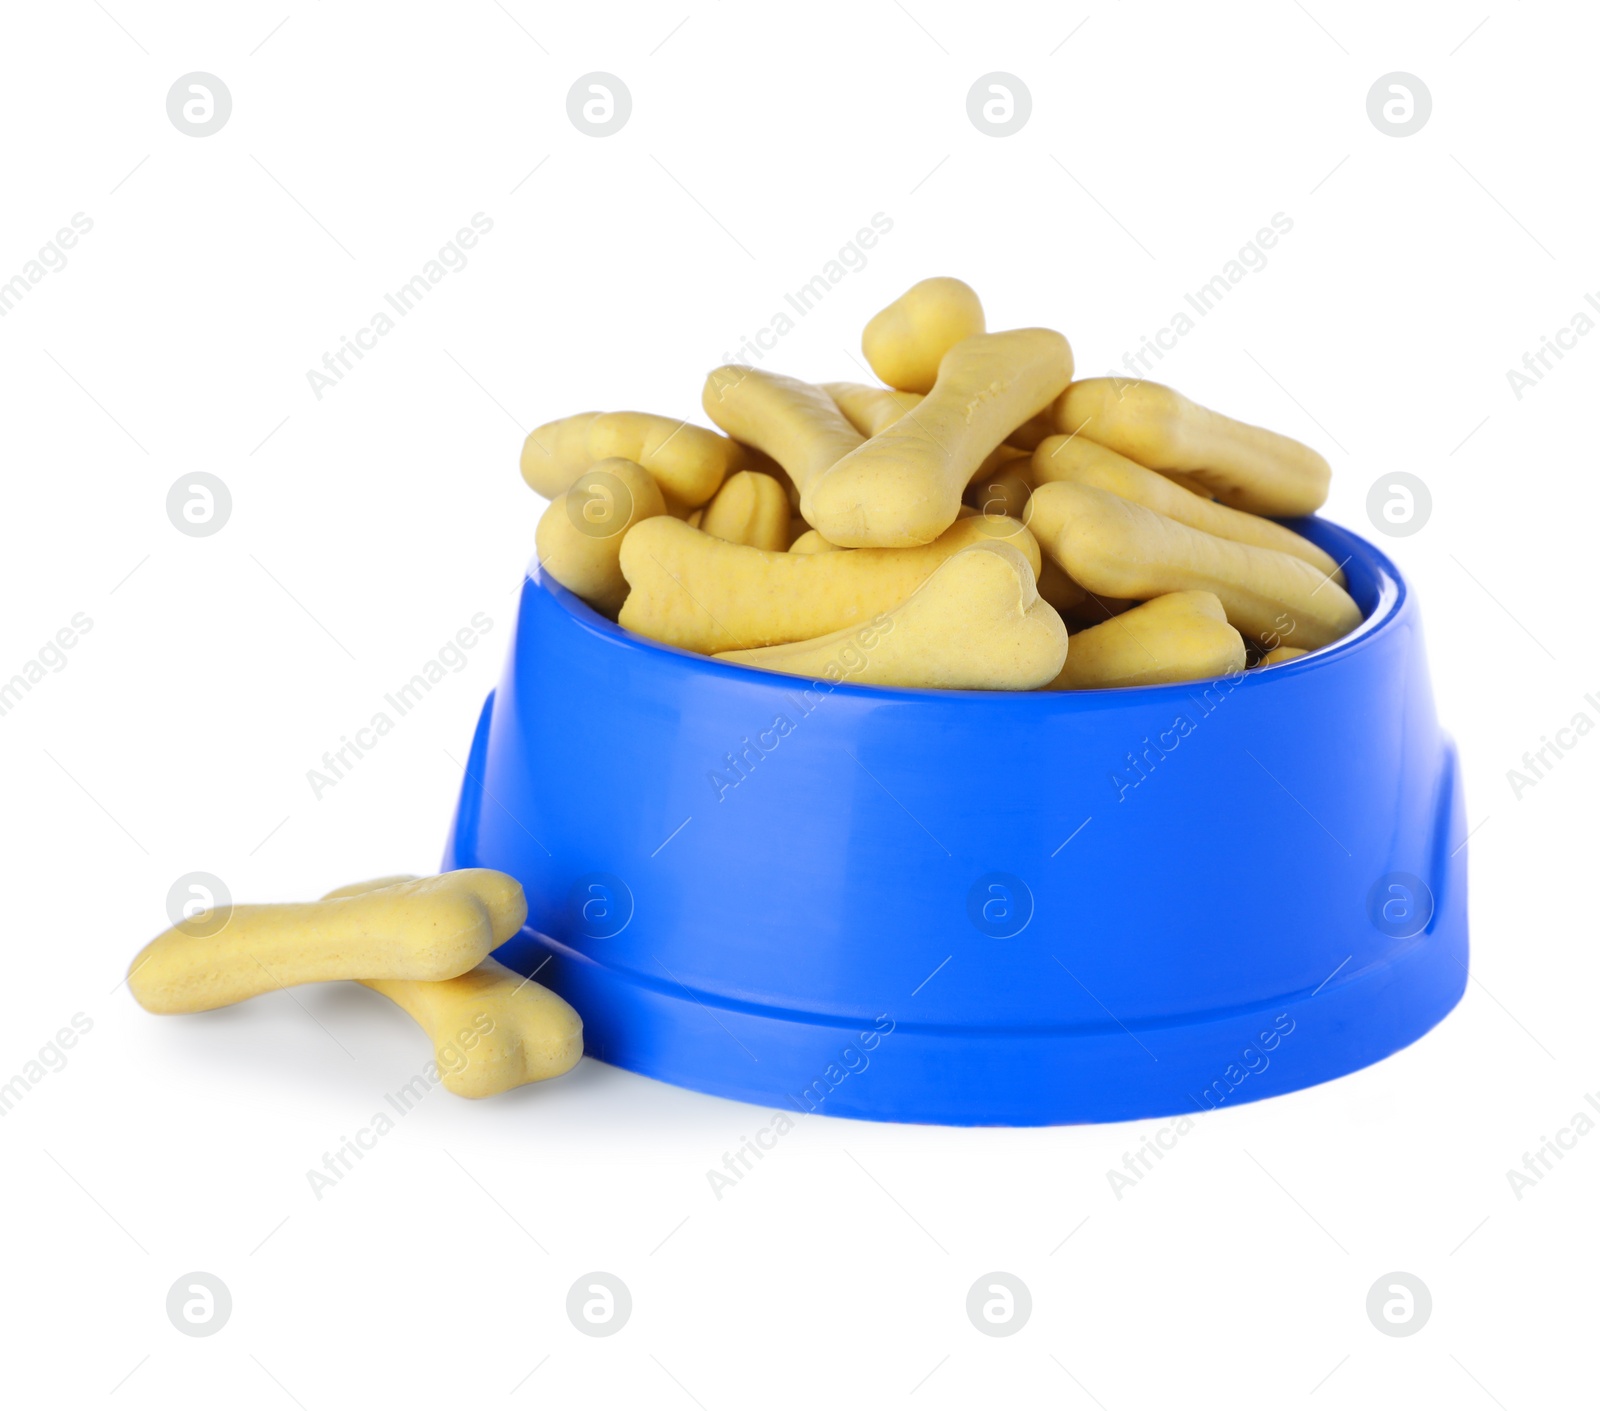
[698, 592]
[903, 487]
[1176, 637]
[975, 624]
[492, 1029]
[433, 928]
[1112, 546]
[1247, 467]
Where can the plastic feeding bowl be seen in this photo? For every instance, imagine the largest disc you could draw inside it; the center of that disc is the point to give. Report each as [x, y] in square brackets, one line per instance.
[978, 907]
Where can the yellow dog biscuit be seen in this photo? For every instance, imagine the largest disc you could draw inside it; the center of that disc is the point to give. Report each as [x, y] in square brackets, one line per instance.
[557, 453]
[698, 592]
[1057, 589]
[750, 508]
[1278, 655]
[1078, 458]
[431, 929]
[976, 624]
[1177, 477]
[870, 409]
[903, 487]
[1004, 489]
[1094, 608]
[905, 342]
[1034, 430]
[1246, 466]
[579, 538]
[1113, 546]
[687, 462]
[1176, 637]
[811, 542]
[795, 423]
[491, 1029]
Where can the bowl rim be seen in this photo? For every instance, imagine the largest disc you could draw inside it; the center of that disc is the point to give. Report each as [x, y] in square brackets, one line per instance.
[1390, 593]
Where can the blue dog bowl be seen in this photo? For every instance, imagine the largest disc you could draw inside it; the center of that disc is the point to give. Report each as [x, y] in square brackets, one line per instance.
[978, 907]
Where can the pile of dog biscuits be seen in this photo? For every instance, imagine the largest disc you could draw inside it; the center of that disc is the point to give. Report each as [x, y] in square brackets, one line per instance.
[980, 522]
[422, 942]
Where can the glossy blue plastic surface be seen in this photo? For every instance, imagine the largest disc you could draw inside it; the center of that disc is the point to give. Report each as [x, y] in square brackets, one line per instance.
[975, 907]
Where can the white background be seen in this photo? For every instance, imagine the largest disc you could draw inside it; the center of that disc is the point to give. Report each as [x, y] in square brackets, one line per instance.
[369, 526]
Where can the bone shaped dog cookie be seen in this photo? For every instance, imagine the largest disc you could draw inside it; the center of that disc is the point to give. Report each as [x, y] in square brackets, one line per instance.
[433, 928]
